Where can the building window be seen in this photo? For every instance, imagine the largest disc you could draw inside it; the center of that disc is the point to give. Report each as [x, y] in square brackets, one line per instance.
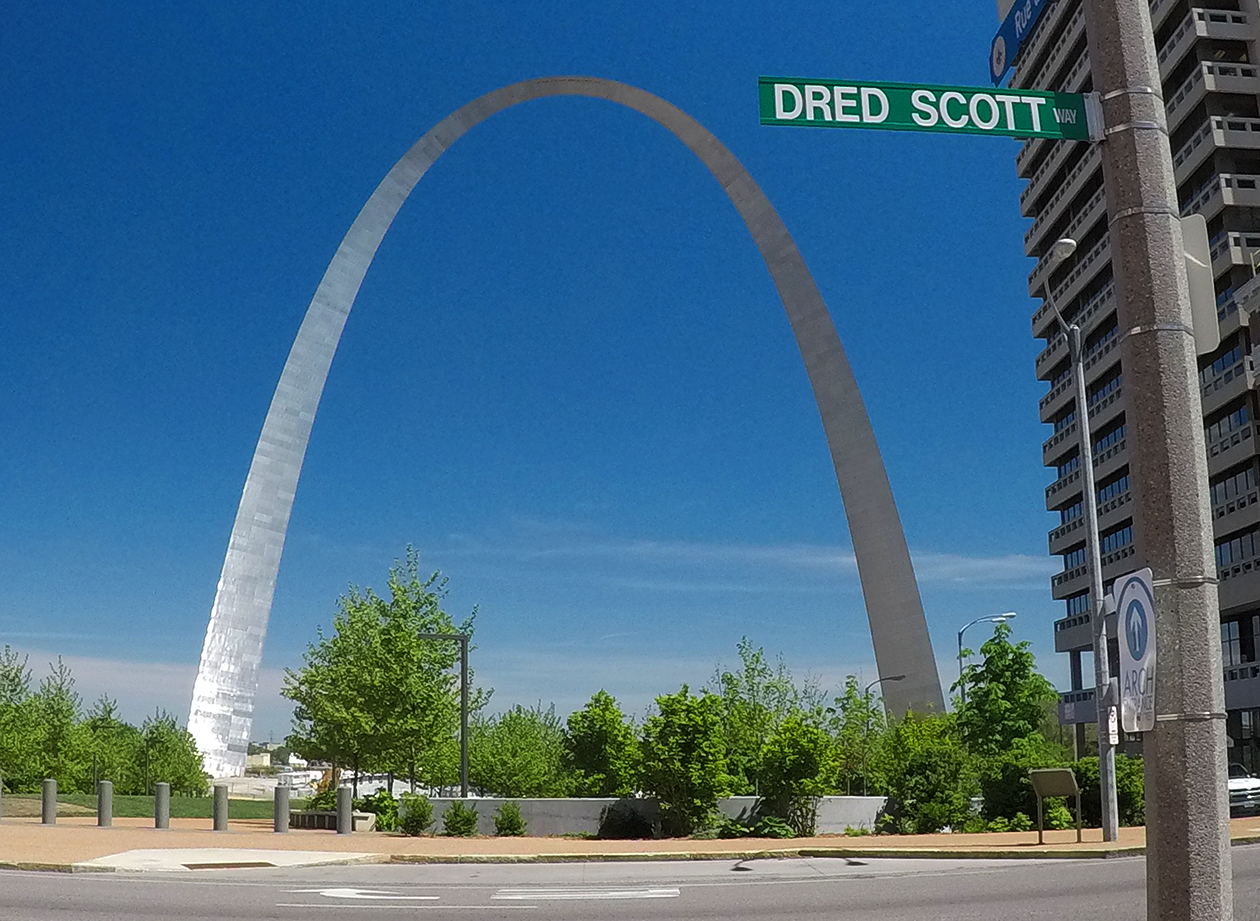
[1231, 643]
[1105, 388]
[1236, 549]
[1117, 538]
[1064, 419]
[1078, 604]
[1226, 361]
[1113, 488]
[1074, 558]
[1233, 485]
[1072, 463]
[1071, 513]
[1112, 437]
[1222, 426]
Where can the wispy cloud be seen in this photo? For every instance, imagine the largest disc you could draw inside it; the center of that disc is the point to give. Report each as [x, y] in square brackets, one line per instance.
[705, 566]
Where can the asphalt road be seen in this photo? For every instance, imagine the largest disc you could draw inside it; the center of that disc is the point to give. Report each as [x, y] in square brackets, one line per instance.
[872, 890]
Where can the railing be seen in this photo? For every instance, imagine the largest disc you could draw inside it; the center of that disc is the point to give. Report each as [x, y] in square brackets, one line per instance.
[1229, 441]
[1090, 161]
[1187, 26]
[1084, 264]
[1189, 147]
[1236, 504]
[1074, 217]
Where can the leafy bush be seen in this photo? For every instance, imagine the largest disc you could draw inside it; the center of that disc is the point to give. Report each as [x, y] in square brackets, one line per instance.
[460, 820]
[417, 814]
[322, 802]
[684, 760]
[1059, 816]
[859, 832]
[930, 776]
[1021, 822]
[1000, 823]
[624, 820]
[383, 805]
[508, 820]
[765, 827]
[1004, 781]
[1130, 790]
[601, 749]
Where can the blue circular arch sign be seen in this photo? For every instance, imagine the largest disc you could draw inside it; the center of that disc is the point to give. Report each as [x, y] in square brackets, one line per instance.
[1135, 606]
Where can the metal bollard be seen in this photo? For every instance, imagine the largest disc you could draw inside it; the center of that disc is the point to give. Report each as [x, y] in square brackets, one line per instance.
[281, 822]
[49, 810]
[345, 810]
[162, 805]
[220, 807]
[104, 803]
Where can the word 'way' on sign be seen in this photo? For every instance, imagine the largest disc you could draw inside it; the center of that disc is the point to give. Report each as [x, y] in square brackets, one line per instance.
[914, 107]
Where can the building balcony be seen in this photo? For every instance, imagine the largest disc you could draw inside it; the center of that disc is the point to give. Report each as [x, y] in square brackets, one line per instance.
[1077, 632]
[1218, 131]
[1042, 150]
[1079, 221]
[1236, 514]
[1101, 306]
[1228, 385]
[1233, 449]
[1225, 25]
[1229, 248]
[1242, 692]
[1160, 10]
[1066, 188]
[1076, 579]
[1221, 190]
[1209, 77]
[1242, 686]
[1100, 413]
[1085, 267]
[1111, 512]
[1239, 587]
[1047, 33]
[1105, 464]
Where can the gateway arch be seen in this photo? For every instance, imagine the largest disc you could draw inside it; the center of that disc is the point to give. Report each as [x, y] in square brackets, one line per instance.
[223, 696]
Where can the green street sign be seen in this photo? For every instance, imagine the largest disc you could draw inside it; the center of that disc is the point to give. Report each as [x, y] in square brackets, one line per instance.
[924, 107]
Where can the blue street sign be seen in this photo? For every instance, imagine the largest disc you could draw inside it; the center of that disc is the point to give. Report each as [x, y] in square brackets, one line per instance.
[1018, 25]
[1135, 606]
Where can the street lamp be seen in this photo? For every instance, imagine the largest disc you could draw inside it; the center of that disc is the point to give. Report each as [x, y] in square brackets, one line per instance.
[991, 619]
[462, 638]
[1061, 250]
[866, 739]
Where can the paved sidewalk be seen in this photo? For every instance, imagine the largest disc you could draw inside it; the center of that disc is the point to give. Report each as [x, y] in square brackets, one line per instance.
[77, 844]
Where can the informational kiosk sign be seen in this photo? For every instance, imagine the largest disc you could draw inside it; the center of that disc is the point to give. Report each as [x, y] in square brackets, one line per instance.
[923, 107]
[1135, 627]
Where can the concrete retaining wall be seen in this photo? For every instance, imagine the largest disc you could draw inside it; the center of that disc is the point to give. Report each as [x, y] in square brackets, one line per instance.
[581, 816]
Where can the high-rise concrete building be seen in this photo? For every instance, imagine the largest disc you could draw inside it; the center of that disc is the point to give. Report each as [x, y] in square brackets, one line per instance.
[1211, 87]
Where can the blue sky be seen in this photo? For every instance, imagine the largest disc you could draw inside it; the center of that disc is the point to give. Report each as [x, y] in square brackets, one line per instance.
[567, 380]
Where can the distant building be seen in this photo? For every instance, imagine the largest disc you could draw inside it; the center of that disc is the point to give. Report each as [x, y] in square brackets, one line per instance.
[260, 760]
[1211, 89]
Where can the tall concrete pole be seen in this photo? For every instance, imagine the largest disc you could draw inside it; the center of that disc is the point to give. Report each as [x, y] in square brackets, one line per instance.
[1187, 811]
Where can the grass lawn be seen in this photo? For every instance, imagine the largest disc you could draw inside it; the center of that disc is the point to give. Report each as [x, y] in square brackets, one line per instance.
[182, 807]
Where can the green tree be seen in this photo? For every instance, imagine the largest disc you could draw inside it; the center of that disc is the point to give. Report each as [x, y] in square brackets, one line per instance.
[684, 760]
[64, 748]
[171, 756]
[1006, 696]
[857, 724]
[795, 764]
[116, 748]
[373, 695]
[931, 779]
[601, 750]
[755, 698]
[519, 753]
[19, 739]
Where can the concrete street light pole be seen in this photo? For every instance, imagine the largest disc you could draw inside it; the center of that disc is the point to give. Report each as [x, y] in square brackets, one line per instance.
[992, 619]
[1188, 874]
[1061, 251]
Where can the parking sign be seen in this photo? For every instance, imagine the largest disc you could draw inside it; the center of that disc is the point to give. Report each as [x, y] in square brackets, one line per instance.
[1135, 624]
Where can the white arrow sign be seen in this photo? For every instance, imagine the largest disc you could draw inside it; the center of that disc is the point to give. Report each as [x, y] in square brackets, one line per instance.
[365, 894]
